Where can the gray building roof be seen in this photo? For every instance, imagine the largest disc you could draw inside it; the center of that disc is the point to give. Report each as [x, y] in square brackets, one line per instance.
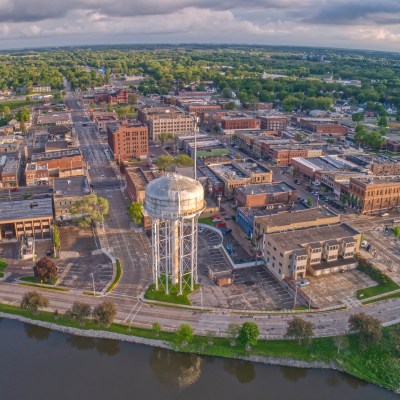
[20, 210]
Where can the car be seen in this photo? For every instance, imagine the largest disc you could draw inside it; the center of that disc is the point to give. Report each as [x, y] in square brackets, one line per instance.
[201, 229]
[221, 224]
[364, 244]
[304, 282]
[225, 231]
[396, 220]
[384, 215]
[217, 220]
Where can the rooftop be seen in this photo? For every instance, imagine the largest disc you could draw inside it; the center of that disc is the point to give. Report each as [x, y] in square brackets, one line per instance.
[19, 210]
[71, 186]
[11, 167]
[274, 187]
[291, 240]
[56, 154]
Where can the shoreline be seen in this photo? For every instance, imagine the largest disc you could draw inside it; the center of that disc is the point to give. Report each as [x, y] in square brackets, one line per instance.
[102, 334]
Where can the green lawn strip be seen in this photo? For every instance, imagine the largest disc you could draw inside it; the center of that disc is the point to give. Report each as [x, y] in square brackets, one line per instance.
[118, 275]
[384, 283]
[13, 104]
[33, 279]
[206, 221]
[376, 290]
[379, 364]
[49, 287]
[3, 266]
[390, 296]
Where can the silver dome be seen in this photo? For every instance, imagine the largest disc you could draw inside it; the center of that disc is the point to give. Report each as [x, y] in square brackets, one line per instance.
[173, 196]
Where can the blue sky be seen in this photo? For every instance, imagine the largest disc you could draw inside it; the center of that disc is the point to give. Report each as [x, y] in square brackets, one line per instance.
[367, 24]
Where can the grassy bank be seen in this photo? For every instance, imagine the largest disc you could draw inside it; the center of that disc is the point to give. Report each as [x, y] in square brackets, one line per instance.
[206, 221]
[3, 267]
[379, 364]
[173, 297]
[389, 296]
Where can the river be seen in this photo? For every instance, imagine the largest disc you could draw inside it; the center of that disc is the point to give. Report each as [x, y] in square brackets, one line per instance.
[38, 364]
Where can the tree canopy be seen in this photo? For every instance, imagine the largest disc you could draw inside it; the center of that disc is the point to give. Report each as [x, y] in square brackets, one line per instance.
[90, 210]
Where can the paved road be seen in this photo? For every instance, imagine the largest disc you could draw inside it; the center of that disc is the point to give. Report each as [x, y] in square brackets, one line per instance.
[133, 250]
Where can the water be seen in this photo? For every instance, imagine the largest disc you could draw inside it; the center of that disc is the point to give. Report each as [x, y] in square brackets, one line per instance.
[38, 364]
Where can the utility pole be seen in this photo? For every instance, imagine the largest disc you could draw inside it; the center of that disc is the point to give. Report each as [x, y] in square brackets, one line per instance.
[94, 290]
[295, 298]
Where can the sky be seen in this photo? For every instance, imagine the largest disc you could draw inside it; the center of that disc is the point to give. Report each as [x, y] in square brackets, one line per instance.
[361, 24]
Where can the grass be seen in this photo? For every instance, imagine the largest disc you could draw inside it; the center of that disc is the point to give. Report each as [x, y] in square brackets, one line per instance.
[384, 283]
[379, 363]
[390, 296]
[60, 289]
[33, 279]
[118, 275]
[206, 221]
[3, 267]
[13, 104]
[173, 296]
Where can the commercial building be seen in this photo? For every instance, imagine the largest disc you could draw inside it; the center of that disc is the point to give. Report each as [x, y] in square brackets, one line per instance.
[320, 126]
[137, 179]
[274, 122]
[54, 118]
[26, 217]
[128, 140]
[372, 195]
[166, 120]
[102, 119]
[260, 195]
[68, 191]
[284, 154]
[238, 120]
[317, 250]
[239, 173]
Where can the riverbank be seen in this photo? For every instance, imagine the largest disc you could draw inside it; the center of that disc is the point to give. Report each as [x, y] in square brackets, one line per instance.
[378, 364]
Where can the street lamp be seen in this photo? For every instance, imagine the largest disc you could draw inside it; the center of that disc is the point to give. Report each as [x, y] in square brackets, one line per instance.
[94, 290]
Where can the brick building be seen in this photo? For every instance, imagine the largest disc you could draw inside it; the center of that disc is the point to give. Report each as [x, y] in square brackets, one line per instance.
[128, 140]
[373, 195]
[239, 121]
[9, 173]
[274, 123]
[264, 194]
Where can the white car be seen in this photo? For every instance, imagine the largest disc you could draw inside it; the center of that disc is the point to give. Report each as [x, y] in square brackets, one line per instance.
[201, 229]
[364, 244]
[304, 282]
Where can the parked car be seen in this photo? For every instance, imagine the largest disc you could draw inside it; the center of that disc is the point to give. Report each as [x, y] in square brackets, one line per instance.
[225, 231]
[304, 282]
[201, 229]
[364, 244]
[221, 224]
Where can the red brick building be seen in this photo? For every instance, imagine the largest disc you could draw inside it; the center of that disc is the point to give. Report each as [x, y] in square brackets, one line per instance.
[128, 139]
[274, 123]
[118, 97]
[242, 122]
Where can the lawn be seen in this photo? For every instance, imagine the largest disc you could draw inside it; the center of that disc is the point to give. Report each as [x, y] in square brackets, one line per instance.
[379, 363]
[173, 296]
[117, 275]
[206, 221]
[389, 296]
[3, 267]
[33, 279]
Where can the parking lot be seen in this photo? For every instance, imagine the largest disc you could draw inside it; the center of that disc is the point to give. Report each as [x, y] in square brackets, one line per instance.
[337, 289]
[253, 288]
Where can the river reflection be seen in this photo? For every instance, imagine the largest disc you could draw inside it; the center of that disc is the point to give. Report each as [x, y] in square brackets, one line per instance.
[244, 371]
[175, 370]
[103, 346]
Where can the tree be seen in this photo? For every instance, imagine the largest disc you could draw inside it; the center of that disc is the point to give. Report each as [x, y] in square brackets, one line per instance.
[382, 121]
[184, 334]
[341, 342]
[104, 313]
[298, 137]
[183, 160]
[156, 328]
[135, 212]
[23, 115]
[357, 117]
[299, 329]
[396, 231]
[248, 334]
[309, 202]
[90, 210]
[368, 328]
[230, 106]
[33, 301]
[164, 162]
[6, 111]
[56, 239]
[79, 311]
[330, 141]
[162, 137]
[132, 98]
[233, 331]
[45, 270]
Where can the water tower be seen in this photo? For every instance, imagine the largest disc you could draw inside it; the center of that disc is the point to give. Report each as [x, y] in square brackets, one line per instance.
[174, 203]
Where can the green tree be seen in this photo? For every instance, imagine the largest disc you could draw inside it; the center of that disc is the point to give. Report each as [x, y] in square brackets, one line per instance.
[230, 106]
[233, 331]
[33, 301]
[90, 210]
[156, 328]
[341, 342]
[45, 270]
[248, 334]
[368, 328]
[164, 162]
[299, 329]
[135, 212]
[104, 313]
[183, 160]
[309, 202]
[184, 334]
[382, 122]
[79, 311]
[56, 239]
[23, 115]
[163, 137]
[396, 231]
[357, 117]
[330, 141]
[6, 111]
